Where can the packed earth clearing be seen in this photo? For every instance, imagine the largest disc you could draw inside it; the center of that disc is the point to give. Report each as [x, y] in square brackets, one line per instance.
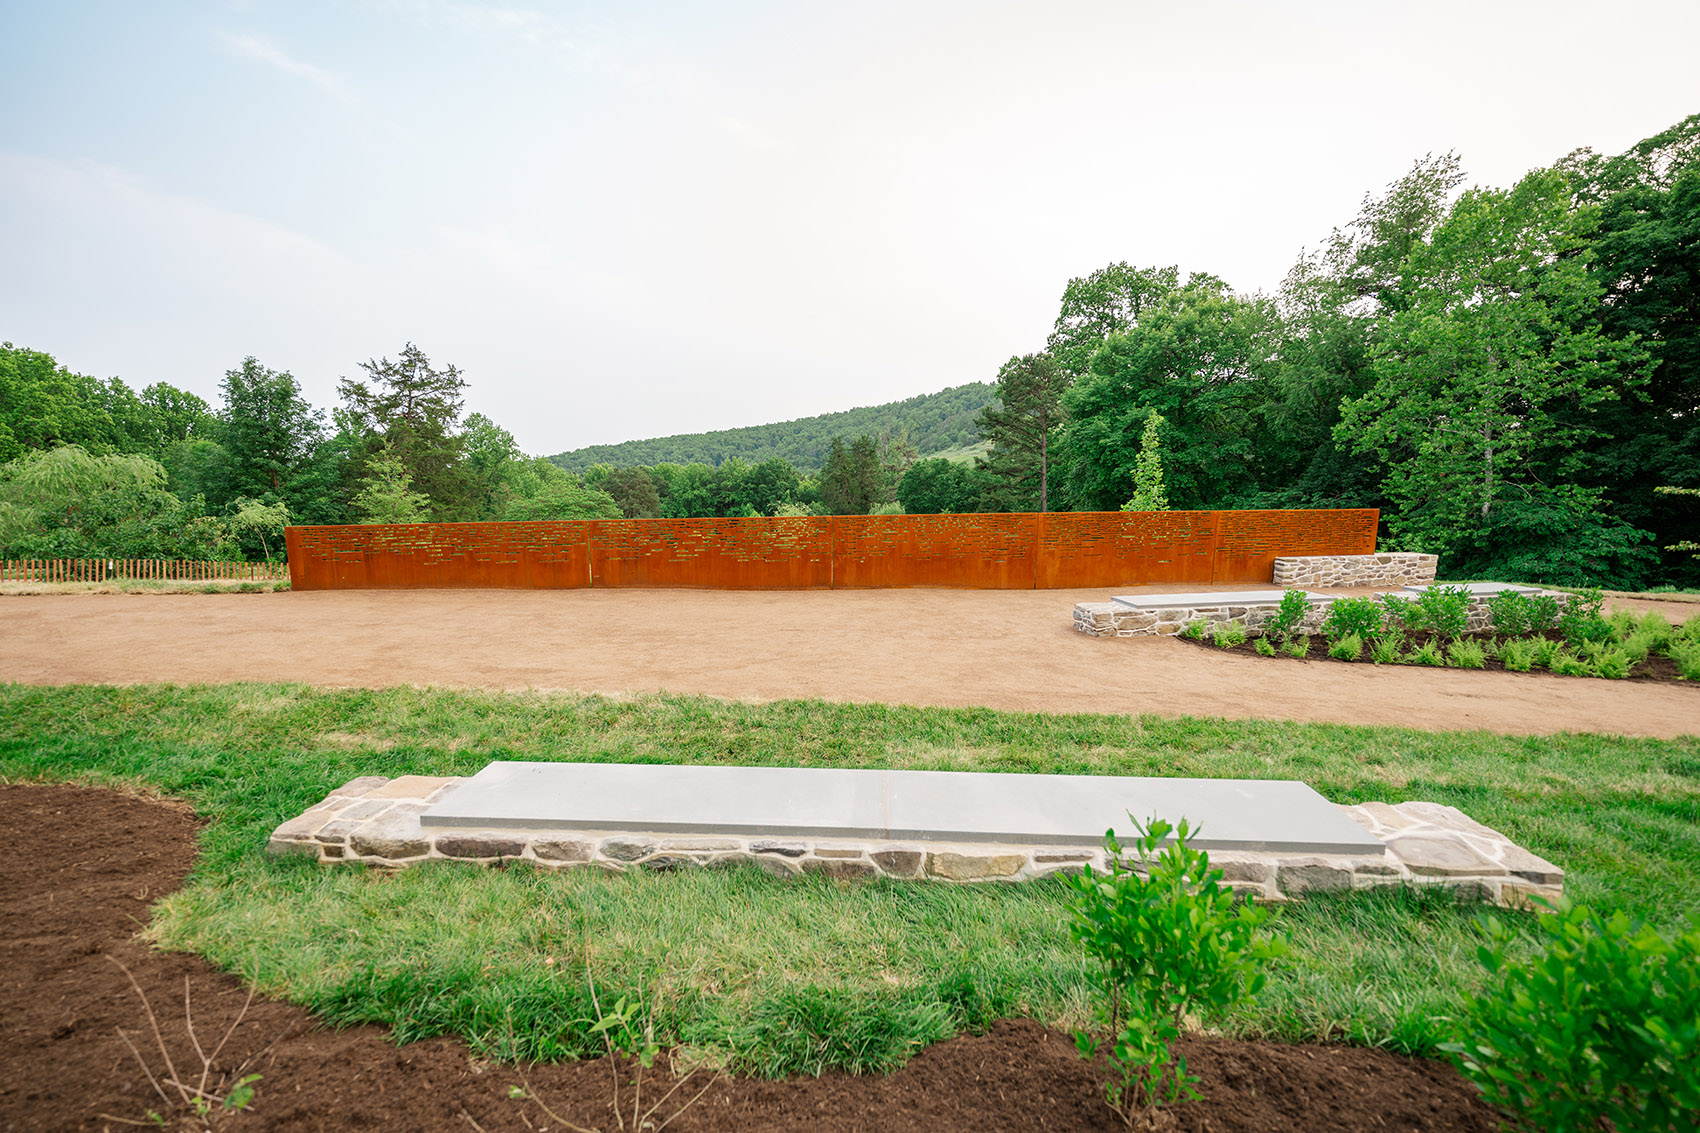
[70, 908]
[1011, 650]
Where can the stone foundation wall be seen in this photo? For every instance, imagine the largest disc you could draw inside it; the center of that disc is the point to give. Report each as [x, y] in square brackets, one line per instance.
[375, 821]
[1395, 568]
[1112, 619]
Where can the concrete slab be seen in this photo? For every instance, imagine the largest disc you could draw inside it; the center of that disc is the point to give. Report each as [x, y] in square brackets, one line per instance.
[908, 806]
[1199, 598]
[1479, 587]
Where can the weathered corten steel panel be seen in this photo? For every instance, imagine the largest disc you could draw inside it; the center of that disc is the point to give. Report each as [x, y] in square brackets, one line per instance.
[983, 552]
[785, 553]
[986, 551]
[1248, 542]
[413, 556]
[1125, 548]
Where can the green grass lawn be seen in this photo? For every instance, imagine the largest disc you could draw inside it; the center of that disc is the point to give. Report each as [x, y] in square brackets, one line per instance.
[779, 976]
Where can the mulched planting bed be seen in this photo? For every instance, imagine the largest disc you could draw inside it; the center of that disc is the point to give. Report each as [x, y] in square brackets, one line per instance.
[1654, 668]
[83, 865]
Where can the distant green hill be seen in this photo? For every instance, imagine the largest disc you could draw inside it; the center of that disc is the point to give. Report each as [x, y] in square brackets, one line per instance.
[933, 422]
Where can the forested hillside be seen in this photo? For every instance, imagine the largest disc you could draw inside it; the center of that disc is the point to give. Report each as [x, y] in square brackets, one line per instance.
[932, 422]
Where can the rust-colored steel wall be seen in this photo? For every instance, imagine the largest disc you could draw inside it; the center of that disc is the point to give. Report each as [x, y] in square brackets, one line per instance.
[419, 556]
[988, 551]
[1126, 548]
[787, 553]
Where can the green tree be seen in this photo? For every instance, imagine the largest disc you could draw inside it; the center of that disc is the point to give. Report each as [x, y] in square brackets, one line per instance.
[386, 492]
[1491, 341]
[413, 408]
[489, 452]
[267, 429]
[1109, 301]
[852, 481]
[68, 503]
[937, 486]
[1201, 359]
[1022, 426]
[253, 519]
[634, 491]
[1148, 493]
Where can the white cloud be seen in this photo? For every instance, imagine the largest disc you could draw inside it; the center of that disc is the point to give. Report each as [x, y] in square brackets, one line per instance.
[249, 47]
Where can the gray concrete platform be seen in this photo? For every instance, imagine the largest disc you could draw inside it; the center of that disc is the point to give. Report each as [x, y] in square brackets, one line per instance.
[911, 806]
[1200, 598]
[1478, 587]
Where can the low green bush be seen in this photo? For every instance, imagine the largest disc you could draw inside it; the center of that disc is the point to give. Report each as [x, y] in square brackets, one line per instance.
[1510, 611]
[1545, 649]
[1229, 636]
[1542, 612]
[1613, 664]
[1347, 648]
[1264, 647]
[1518, 656]
[1298, 646]
[1289, 615]
[1195, 629]
[1444, 610]
[1428, 653]
[1567, 664]
[1465, 654]
[1352, 617]
[1686, 654]
[1402, 612]
[1603, 1025]
[1387, 647]
[1581, 621]
[1169, 940]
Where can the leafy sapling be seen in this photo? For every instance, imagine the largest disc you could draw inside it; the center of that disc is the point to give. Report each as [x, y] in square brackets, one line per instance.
[1445, 610]
[1169, 940]
[1288, 617]
[1352, 617]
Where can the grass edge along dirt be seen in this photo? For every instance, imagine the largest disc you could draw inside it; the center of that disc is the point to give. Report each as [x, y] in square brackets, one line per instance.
[801, 976]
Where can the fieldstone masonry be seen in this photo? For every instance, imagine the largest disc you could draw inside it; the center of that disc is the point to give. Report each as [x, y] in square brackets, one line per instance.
[1115, 619]
[375, 821]
[1394, 568]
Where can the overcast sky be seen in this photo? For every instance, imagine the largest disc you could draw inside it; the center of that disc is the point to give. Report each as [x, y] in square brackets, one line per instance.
[630, 219]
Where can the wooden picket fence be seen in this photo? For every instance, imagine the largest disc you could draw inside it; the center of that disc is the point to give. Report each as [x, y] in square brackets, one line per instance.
[162, 570]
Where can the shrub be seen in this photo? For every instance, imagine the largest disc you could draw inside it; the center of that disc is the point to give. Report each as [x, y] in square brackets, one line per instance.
[1445, 610]
[1428, 653]
[1347, 648]
[1581, 621]
[1544, 650]
[1195, 629]
[1465, 654]
[1229, 636]
[1264, 647]
[1385, 649]
[1510, 610]
[1402, 612]
[1542, 612]
[1518, 656]
[1490, 646]
[1566, 664]
[1637, 645]
[1289, 615]
[1613, 664]
[1169, 940]
[1655, 629]
[1352, 617]
[1686, 655]
[1298, 646]
[1603, 1025]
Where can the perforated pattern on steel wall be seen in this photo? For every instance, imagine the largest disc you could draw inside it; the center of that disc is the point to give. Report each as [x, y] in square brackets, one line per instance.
[788, 553]
[988, 551]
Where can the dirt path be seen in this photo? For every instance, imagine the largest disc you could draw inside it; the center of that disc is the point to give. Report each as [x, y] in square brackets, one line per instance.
[1011, 650]
[73, 901]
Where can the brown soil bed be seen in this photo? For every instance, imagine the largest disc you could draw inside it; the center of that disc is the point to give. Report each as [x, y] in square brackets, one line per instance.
[85, 865]
[1654, 669]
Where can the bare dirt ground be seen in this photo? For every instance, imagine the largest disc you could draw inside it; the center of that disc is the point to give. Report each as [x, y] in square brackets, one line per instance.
[73, 904]
[1000, 649]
